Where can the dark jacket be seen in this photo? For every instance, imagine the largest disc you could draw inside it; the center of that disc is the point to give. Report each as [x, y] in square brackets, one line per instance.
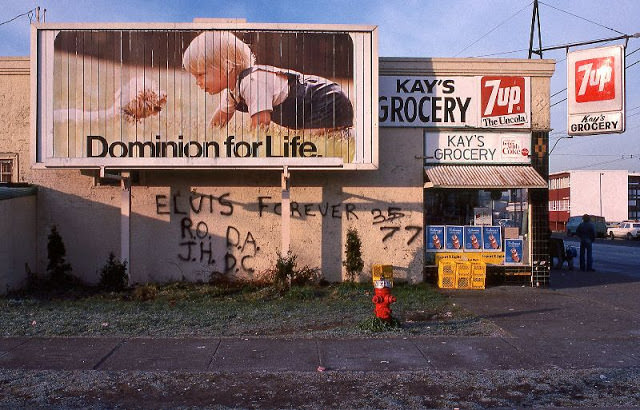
[586, 231]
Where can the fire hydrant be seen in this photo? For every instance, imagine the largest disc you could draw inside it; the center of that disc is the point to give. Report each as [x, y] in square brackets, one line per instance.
[382, 283]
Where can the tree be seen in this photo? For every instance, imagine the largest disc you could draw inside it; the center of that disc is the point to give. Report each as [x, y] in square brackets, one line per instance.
[58, 269]
[353, 251]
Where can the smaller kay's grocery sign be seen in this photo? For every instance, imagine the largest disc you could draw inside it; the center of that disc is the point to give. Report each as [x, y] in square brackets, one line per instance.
[451, 147]
[595, 91]
[478, 102]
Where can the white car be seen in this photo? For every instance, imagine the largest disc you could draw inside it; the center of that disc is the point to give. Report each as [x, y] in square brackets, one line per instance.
[628, 230]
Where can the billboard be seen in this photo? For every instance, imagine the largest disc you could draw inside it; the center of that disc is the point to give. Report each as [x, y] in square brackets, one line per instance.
[455, 102]
[596, 91]
[205, 95]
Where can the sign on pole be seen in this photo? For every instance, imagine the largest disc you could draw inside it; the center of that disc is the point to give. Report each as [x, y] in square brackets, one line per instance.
[596, 91]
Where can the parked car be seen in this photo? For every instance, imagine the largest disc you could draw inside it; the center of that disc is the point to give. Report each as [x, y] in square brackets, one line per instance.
[626, 229]
[598, 222]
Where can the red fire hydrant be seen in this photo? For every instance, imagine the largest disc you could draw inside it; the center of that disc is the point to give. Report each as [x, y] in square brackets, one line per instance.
[383, 300]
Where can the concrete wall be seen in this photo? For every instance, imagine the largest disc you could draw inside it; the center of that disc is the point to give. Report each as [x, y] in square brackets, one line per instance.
[188, 224]
[18, 246]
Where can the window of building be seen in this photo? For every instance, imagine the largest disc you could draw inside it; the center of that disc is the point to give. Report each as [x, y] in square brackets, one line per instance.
[508, 208]
[559, 183]
[7, 170]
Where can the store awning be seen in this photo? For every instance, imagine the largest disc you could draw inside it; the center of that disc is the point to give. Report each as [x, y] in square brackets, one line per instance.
[483, 176]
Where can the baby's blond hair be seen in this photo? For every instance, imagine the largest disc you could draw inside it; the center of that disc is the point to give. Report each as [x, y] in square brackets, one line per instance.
[219, 49]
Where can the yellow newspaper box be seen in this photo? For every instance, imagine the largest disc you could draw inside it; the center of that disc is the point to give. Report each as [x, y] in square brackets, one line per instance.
[382, 276]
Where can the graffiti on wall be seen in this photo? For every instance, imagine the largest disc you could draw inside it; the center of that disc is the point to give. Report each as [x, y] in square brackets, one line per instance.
[200, 215]
[392, 214]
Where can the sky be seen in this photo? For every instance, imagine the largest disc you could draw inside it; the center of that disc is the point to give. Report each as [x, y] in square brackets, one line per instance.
[413, 28]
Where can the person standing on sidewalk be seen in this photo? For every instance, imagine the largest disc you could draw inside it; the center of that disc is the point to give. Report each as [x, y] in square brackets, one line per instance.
[586, 231]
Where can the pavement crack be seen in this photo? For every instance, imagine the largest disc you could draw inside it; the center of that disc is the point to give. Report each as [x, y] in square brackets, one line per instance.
[424, 356]
[319, 352]
[14, 347]
[108, 355]
[215, 351]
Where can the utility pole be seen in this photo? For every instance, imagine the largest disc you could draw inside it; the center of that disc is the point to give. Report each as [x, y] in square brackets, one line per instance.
[535, 16]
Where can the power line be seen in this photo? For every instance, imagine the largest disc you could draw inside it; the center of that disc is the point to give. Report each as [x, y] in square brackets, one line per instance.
[582, 18]
[493, 29]
[600, 155]
[18, 16]
[558, 102]
[631, 65]
[603, 163]
[501, 53]
[628, 54]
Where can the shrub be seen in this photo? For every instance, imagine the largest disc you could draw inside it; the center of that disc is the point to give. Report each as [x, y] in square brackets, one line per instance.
[353, 251]
[285, 273]
[113, 276]
[145, 292]
[58, 269]
[284, 270]
[306, 276]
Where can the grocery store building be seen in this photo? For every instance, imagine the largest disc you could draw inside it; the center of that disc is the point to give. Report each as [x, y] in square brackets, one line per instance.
[439, 157]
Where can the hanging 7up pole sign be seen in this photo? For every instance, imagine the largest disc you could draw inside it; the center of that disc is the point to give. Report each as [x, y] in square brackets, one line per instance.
[595, 91]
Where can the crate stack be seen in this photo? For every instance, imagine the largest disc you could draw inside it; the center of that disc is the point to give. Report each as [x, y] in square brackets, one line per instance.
[456, 274]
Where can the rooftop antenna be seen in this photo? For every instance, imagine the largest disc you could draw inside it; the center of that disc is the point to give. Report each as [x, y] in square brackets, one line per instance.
[38, 14]
[535, 16]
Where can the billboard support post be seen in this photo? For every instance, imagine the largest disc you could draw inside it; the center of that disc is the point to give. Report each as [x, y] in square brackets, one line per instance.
[286, 210]
[125, 221]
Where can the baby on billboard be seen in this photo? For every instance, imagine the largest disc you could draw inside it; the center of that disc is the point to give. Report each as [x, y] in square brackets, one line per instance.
[222, 63]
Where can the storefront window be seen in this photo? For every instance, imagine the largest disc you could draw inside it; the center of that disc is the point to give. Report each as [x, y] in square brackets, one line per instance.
[506, 208]
[492, 224]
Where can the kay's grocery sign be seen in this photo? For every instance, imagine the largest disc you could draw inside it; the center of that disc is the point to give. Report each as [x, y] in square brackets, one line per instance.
[596, 91]
[478, 147]
[479, 102]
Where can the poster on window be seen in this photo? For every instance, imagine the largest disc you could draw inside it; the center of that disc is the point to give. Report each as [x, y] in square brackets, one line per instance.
[492, 238]
[473, 238]
[513, 252]
[435, 238]
[455, 237]
[482, 216]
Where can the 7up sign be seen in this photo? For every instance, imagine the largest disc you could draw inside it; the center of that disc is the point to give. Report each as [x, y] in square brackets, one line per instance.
[595, 79]
[595, 91]
[504, 101]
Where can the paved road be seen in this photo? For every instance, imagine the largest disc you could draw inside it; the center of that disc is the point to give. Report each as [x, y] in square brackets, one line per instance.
[618, 256]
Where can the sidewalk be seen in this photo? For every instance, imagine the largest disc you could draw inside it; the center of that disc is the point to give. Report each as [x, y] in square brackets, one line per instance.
[582, 321]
